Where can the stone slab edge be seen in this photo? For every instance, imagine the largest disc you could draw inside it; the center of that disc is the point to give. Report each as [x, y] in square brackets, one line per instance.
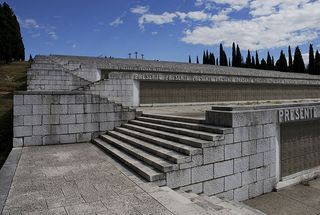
[7, 173]
[264, 106]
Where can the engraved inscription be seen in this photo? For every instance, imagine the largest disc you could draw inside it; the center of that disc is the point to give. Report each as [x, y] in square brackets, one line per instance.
[295, 114]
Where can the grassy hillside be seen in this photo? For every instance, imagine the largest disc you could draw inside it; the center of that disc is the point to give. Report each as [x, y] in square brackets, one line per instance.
[12, 77]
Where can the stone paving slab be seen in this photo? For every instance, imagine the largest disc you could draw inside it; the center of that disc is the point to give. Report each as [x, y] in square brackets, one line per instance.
[74, 179]
[294, 200]
[82, 179]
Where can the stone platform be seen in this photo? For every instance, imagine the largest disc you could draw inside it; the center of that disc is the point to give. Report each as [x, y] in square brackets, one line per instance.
[81, 179]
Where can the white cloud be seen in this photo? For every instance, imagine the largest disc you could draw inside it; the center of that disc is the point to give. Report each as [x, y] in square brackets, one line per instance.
[118, 21]
[35, 28]
[157, 19]
[74, 45]
[279, 24]
[166, 17]
[154, 33]
[234, 4]
[198, 16]
[53, 35]
[140, 9]
[28, 23]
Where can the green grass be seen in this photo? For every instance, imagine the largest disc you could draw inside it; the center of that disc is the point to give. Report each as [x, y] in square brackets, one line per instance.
[13, 77]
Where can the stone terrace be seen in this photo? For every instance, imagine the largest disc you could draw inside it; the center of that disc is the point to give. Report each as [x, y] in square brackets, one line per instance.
[81, 179]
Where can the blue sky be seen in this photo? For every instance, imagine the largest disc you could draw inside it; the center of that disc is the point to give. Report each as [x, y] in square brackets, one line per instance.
[166, 29]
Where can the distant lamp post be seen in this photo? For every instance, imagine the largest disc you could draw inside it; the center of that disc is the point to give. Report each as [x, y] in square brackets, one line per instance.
[136, 53]
[142, 55]
[129, 55]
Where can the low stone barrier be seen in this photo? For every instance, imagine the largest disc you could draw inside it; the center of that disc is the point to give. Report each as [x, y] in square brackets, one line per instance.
[257, 156]
[42, 118]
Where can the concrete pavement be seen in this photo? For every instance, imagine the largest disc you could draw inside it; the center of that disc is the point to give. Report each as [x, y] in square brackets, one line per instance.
[82, 179]
[294, 200]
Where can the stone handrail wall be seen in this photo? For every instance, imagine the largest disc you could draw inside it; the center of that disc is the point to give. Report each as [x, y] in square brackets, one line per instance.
[47, 79]
[42, 118]
[123, 91]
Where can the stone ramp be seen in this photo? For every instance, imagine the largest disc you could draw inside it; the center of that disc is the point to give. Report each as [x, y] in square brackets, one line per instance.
[82, 179]
[156, 146]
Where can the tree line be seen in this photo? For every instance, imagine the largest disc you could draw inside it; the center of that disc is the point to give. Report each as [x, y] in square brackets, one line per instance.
[11, 44]
[293, 64]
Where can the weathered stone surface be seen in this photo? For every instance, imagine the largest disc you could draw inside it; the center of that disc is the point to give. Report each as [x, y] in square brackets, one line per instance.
[213, 186]
[232, 182]
[256, 160]
[241, 164]
[201, 173]
[179, 178]
[256, 189]
[232, 151]
[249, 177]
[213, 154]
[241, 193]
[223, 168]
[249, 147]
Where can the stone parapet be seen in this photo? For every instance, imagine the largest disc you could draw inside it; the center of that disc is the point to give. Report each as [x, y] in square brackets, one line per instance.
[42, 118]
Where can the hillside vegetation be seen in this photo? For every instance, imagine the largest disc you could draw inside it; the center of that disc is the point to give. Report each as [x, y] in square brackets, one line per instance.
[13, 77]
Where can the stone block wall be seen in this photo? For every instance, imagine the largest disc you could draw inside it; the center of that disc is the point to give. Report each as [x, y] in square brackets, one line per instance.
[42, 118]
[240, 166]
[123, 91]
[49, 79]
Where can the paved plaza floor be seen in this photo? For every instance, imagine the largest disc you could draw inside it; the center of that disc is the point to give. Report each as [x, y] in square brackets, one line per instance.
[74, 179]
[82, 179]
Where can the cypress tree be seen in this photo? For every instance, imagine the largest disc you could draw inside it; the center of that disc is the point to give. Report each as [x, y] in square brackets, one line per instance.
[11, 44]
[223, 57]
[298, 64]
[217, 62]
[281, 64]
[238, 57]
[272, 63]
[269, 62]
[311, 68]
[317, 63]
[189, 59]
[253, 63]
[248, 59]
[257, 60]
[204, 58]
[207, 57]
[212, 59]
[30, 58]
[229, 62]
[263, 64]
[290, 60]
[234, 56]
[197, 60]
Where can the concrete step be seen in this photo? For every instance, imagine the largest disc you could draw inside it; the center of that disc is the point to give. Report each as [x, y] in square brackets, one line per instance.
[178, 147]
[141, 168]
[178, 130]
[175, 118]
[164, 153]
[152, 160]
[190, 141]
[188, 125]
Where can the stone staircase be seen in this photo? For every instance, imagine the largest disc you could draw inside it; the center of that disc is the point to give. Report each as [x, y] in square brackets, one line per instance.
[153, 146]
